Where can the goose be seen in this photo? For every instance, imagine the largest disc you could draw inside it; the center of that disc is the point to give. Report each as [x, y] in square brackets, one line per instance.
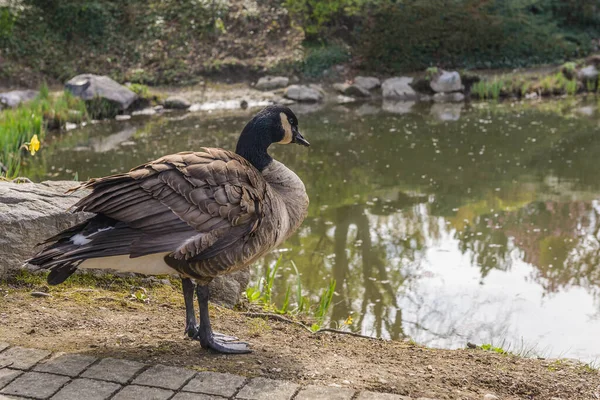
[199, 214]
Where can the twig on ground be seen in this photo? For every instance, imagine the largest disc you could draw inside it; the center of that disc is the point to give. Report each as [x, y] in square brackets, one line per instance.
[281, 318]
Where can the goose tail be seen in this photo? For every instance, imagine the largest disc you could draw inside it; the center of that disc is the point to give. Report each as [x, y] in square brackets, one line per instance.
[65, 251]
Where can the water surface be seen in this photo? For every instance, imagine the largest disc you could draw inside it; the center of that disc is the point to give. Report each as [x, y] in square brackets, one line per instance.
[442, 223]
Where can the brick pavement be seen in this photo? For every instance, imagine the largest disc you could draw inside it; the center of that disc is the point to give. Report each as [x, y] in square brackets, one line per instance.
[38, 374]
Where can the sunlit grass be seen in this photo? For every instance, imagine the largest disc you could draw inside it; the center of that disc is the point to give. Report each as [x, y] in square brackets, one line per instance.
[262, 294]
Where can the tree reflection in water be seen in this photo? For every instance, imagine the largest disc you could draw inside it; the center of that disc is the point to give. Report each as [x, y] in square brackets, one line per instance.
[400, 203]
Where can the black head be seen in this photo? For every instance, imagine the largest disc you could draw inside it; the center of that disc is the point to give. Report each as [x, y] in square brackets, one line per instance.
[273, 124]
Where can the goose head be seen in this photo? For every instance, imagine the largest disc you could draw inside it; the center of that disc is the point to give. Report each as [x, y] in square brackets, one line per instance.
[273, 124]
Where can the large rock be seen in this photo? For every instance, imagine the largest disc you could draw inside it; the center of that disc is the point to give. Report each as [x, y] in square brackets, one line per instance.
[445, 82]
[177, 103]
[367, 82]
[89, 86]
[303, 93]
[398, 88]
[351, 90]
[16, 97]
[589, 73]
[31, 212]
[272, 82]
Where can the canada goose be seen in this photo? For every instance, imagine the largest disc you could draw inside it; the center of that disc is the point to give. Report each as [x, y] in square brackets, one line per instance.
[201, 214]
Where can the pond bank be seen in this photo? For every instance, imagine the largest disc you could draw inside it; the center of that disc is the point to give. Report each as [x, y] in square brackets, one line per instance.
[106, 321]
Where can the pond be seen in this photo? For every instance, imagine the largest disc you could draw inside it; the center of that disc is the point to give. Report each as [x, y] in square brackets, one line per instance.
[447, 224]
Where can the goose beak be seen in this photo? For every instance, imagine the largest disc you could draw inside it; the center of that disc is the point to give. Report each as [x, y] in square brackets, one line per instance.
[298, 138]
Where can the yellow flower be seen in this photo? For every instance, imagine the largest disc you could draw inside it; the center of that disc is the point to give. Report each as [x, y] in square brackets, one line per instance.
[34, 145]
[348, 320]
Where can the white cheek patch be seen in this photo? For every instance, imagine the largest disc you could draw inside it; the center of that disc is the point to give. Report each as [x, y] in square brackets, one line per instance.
[287, 128]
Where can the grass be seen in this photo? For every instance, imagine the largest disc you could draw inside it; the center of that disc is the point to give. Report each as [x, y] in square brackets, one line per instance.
[488, 90]
[18, 126]
[563, 82]
[262, 294]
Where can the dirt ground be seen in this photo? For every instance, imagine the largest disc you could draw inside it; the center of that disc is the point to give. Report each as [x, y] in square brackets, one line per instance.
[106, 320]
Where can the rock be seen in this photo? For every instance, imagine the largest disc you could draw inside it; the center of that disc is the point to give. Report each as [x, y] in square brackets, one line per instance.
[89, 86]
[272, 82]
[589, 73]
[341, 87]
[588, 111]
[123, 117]
[344, 99]
[398, 107]
[398, 88]
[16, 97]
[531, 96]
[367, 82]
[145, 111]
[351, 90]
[455, 97]
[227, 289]
[446, 112]
[303, 93]
[176, 103]
[446, 81]
[490, 396]
[31, 212]
[357, 91]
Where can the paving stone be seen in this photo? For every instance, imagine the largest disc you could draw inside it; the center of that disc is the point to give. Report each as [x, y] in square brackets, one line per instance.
[134, 392]
[3, 345]
[114, 370]
[215, 383]
[267, 389]
[66, 364]
[21, 357]
[7, 375]
[35, 384]
[324, 393]
[164, 377]
[380, 396]
[196, 396]
[88, 389]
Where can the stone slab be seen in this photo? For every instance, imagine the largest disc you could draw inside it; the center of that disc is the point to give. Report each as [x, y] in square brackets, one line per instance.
[22, 358]
[66, 364]
[215, 383]
[313, 392]
[267, 389]
[380, 396]
[3, 346]
[196, 396]
[114, 370]
[7, 375]
[135, 392]
[164, 377]
[38, 385]
[88, 389]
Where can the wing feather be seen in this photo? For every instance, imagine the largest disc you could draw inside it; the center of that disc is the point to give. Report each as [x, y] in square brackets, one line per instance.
[196, 203]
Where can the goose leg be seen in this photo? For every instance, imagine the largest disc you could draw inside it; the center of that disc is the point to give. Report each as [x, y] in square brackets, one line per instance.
[191, 326]
[210, 340]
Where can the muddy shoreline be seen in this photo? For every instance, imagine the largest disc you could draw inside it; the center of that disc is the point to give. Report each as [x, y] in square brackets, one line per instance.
[107, 322]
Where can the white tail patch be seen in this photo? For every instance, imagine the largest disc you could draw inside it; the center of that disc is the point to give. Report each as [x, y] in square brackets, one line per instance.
[152, 264]
[80, 239]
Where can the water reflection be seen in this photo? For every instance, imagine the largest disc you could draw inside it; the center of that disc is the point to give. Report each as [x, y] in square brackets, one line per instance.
[444, 223]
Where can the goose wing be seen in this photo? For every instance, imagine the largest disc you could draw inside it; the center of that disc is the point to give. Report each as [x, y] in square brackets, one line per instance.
[193, 204]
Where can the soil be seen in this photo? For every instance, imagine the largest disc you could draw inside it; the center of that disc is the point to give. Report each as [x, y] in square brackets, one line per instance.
[108, 321]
